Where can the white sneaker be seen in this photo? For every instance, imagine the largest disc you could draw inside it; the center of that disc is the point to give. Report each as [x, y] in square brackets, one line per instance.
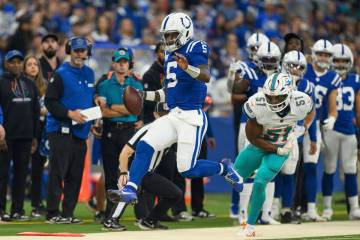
[247, 231]
[354, 214]
[268, 221]
[233, 215]
[327, 214]
[312, 216]
[184, 217]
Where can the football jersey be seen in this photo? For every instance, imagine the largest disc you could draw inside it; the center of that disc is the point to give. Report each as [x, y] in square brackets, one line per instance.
[181, 89]
[256, 78]
[305, 86]
[275, 128]
[346, 95]
[324, 84]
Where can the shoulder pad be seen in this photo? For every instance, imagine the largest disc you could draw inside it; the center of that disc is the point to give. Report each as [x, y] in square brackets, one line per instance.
[199, 47]
[303, 102]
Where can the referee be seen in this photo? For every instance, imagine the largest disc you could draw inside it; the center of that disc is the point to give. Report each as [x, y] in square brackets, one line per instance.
[119, 124]
[153, 183]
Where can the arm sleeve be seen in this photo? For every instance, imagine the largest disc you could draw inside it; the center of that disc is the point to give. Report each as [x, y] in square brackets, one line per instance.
[54, 92]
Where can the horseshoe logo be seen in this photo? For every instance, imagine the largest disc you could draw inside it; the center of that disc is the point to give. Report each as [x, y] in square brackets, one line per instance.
[186, 23]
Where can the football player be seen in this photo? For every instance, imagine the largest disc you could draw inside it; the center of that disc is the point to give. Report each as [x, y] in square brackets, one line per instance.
[187, 71]
[294, 63]
[326, 82]
[249, 81]
[239, 96]
[272, 115]
[340, 141]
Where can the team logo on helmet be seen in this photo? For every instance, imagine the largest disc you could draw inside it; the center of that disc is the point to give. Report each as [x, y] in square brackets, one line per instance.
[186, 24]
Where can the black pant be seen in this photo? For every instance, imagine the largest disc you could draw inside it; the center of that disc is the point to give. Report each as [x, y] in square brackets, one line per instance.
[300, 200]
[18, 151]
[112, 141]
[197, 185]
[37, 168]
[146, 200]
[168, 195]
[67, 157]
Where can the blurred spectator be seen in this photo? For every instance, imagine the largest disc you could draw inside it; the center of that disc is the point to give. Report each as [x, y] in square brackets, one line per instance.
[62, 18]
[102, 30]
[20, 104]
[136, 15]
[32, 70]
[49, 61]
[22, 38]
[152, 81]
[268, 20]
[126, 36]
[3, 46]
[233, 17]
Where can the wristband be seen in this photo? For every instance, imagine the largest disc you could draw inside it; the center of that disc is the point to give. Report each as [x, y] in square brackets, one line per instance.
[123, 173]
[193, 71]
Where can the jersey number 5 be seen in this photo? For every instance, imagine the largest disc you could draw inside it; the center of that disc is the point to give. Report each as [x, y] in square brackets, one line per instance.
[170, 75]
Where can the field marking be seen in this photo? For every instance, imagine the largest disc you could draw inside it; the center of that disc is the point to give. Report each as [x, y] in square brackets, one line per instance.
[335, 228]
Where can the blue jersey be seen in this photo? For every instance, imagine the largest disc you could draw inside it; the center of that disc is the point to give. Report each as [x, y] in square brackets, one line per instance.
[345, 104]
[181, 89]
[324, 84]
[305, 86]
[256, 78]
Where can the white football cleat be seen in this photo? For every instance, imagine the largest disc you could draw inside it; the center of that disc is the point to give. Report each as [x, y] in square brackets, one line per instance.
[312, 216]
[247, 231]
[327, 214]
[233, 215]
[354, 214]
[268, 220]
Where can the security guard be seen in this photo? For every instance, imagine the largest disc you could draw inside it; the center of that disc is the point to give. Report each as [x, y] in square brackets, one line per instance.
[118, 122]
[70, 90]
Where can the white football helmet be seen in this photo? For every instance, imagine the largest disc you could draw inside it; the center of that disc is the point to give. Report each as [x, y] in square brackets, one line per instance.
[342, 52]
[254, 42]
[321, 46]
[294, 63]
[277, 90]
[176, 30]
[268, 56]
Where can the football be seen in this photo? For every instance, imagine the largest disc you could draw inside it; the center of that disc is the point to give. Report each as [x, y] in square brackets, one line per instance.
[132, 100]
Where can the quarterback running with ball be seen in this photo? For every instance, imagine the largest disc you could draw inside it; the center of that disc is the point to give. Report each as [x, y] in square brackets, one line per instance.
[272, 115]
[187, 71]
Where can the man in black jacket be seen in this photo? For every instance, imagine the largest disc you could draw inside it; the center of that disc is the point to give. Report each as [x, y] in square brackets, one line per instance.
[152, 80]
[20, 105]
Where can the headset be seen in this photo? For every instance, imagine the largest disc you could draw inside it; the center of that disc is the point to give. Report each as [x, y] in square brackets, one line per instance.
[88, 43]
[131, 55]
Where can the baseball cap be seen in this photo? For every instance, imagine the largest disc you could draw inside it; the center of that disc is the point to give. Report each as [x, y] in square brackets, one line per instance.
[119, 54]
[50, 35]
[78, 43]
[13, 54]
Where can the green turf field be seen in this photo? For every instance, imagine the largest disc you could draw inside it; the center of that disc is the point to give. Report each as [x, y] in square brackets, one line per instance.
[216, 203]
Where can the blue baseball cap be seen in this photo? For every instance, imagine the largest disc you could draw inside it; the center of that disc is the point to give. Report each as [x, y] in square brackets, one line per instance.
[78, 43]
[119, 54]
[13, 54]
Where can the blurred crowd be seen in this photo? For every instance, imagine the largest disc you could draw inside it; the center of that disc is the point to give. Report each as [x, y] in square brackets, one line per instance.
[224, 24]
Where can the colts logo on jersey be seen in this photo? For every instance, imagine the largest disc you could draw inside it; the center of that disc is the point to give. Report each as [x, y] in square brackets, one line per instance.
[186, 23]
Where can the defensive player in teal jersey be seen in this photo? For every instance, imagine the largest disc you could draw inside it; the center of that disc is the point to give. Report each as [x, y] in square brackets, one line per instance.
[273, 114]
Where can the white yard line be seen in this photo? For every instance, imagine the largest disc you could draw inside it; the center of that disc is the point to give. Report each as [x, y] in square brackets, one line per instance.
[228, 233]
